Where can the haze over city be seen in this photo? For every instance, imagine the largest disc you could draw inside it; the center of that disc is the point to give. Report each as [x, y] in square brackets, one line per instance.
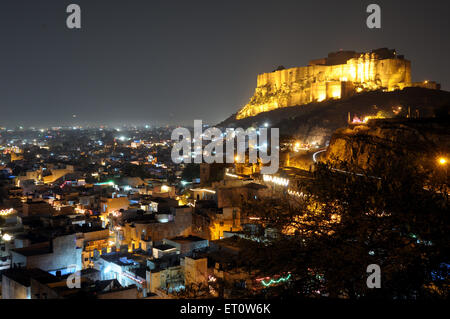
[170, 62]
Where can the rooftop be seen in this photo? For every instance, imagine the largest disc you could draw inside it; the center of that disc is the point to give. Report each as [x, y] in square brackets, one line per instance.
[164, 247]
[188, 239]
[34, 250]
[23, 276]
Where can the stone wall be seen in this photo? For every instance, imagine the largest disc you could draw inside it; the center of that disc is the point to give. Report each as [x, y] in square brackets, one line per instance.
[319, 82]
[195, 271]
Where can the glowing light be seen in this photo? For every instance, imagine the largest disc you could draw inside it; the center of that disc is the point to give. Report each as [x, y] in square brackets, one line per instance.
[165, 188]
[105, 183]
[116, 213]
[274, 282]
[232, 175]
[6, 212]
[315, 155]
[6, 237]
[276, 180]
[336, 93]
[442, 160]
[378, 116]
[295, 193]
[207, 190]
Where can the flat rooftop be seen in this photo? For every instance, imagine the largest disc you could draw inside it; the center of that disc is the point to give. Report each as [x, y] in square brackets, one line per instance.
[164, 247]
[187, 239]
[23, 276]
[34, 250]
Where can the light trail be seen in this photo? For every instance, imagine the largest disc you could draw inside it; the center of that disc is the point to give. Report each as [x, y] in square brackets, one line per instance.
[316, 153]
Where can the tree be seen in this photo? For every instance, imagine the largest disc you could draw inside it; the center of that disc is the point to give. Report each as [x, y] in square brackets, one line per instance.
[394, 216]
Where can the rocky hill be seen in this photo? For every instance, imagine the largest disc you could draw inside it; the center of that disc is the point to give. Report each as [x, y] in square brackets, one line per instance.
[316, 122]
[380, 141]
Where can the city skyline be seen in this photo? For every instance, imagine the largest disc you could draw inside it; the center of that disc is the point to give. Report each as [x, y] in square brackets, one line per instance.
[253, 156]
[162, 63]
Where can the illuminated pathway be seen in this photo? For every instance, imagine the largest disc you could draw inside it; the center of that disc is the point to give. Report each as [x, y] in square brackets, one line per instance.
[316, 153]
[357, 174]
[314, 157]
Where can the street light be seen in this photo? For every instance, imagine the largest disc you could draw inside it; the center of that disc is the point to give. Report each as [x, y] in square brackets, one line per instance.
[442, 160]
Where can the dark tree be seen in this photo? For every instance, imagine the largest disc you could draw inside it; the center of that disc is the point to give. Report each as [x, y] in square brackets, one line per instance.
[396, 217]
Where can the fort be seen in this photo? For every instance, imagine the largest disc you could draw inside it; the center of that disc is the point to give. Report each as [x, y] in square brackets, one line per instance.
[339, 75]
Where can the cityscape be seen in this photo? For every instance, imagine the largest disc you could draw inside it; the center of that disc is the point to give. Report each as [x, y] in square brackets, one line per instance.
[351, 204]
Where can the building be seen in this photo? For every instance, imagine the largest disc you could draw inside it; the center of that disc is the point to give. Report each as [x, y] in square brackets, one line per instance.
[60, 254]
[21, 283]
[110, 205]
[138, 231]
[186, 245]
[37, 208]
[127, 268]
[341, 74]
[165, 275]
[92, 240]
[195, 271]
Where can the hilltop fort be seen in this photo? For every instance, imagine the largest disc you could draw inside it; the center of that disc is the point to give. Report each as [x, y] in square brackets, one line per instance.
[341, 74]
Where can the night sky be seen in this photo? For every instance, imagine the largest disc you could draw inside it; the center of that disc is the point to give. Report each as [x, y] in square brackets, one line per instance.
[170, 62]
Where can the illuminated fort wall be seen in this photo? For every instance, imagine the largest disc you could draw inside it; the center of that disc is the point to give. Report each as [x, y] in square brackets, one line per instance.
[321, 81]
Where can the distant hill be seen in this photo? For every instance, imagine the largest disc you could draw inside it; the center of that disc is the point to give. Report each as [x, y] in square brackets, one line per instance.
[315, 122]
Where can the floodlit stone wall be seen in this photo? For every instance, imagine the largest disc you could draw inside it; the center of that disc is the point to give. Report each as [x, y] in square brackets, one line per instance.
[319, 82]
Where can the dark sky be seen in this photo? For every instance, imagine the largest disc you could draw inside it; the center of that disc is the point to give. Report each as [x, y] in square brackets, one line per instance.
[170, 62]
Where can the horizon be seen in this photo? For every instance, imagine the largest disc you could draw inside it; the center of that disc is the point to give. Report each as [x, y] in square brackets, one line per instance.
[155, 59]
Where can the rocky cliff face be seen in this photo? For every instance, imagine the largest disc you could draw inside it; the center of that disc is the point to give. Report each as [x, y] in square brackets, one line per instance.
[316, 122]
[328, 78]
[381, 141]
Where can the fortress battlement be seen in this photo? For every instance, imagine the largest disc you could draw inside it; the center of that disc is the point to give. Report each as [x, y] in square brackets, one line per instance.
[339, 75]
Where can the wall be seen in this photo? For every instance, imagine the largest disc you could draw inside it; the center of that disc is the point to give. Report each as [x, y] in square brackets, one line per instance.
[181, 226]
[130, 293]
[64, 253]
[195, 271]
[14, 290]
[302, 85]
